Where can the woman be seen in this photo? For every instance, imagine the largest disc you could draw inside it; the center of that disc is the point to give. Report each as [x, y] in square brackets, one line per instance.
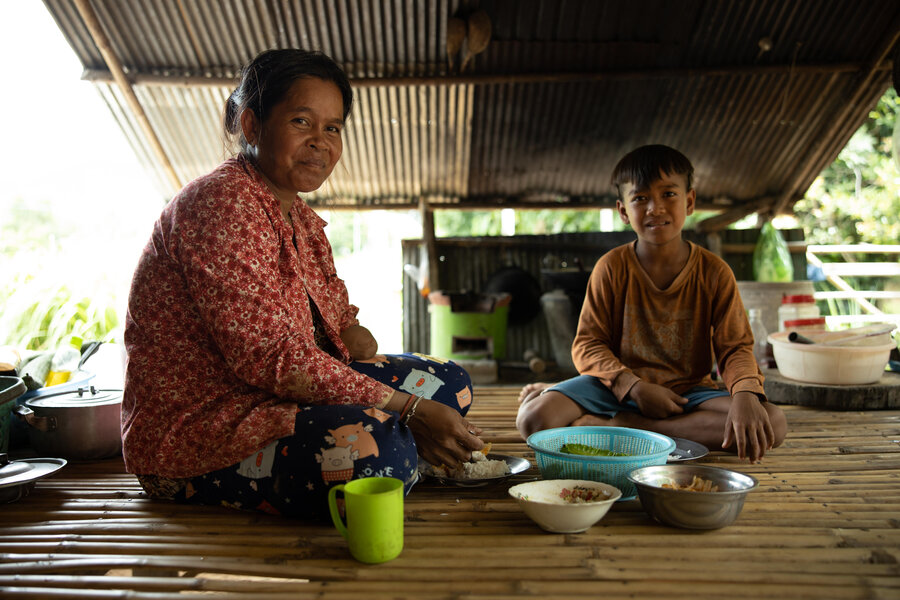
[250, 382]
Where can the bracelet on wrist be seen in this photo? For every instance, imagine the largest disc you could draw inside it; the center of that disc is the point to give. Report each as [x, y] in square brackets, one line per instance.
[404, 419]
[406, 406]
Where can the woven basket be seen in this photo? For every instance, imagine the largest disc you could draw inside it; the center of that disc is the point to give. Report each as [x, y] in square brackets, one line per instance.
[644, 448]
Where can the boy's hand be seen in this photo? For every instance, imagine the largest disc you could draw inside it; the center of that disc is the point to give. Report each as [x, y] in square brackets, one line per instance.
[656, 401]
[748, 427]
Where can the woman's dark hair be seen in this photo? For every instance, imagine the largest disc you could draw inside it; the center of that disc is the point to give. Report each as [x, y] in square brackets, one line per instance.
[643, 166]
[267, 78]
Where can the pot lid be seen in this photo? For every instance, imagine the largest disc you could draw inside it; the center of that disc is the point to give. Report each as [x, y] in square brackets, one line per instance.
[76, 398]
[27, 470]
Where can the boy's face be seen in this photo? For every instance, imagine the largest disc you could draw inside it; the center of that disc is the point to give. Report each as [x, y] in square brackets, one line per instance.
[657, 212]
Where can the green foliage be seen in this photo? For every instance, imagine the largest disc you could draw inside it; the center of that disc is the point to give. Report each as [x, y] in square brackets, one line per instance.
[458, 223]
[43, 315]
[28, 228]
[45, 304]
[455, 223]
[857, 198]
[548, 222]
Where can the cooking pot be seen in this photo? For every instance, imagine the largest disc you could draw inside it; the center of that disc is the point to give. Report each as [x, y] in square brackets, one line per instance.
[83, 424]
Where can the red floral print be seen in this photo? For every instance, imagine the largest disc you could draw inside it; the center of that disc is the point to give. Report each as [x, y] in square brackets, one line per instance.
[219, 331]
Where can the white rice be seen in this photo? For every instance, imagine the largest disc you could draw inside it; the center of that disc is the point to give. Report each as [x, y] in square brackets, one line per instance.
[480, 468]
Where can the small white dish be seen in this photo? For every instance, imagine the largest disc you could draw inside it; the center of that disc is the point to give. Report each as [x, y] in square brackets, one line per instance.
[543, 501]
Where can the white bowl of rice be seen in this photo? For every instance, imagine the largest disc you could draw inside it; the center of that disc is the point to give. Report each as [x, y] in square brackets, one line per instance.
[565, 505]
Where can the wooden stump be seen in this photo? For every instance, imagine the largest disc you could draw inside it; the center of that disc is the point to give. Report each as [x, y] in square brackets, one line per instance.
[883, 394]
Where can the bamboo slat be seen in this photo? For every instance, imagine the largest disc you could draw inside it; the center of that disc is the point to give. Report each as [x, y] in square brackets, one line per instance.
[824, 523]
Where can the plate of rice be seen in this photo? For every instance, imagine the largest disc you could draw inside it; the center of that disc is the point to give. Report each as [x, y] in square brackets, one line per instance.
[483, 469]
[687, 450]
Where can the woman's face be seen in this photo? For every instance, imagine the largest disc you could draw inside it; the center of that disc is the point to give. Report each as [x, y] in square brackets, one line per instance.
[300, 141]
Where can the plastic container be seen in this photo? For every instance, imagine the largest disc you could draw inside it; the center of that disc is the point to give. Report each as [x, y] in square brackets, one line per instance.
[761, 348]
[767, 297]
[643, 448]
[799, 306]
[817, 323]
[468, 326]
[11, 388]
[64, 363]
[832, 365]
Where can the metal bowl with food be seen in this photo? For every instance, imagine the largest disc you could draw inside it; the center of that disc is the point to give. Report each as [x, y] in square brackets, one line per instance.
[692, 496]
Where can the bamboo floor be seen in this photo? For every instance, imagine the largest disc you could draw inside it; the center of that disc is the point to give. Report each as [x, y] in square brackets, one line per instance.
[824, 523]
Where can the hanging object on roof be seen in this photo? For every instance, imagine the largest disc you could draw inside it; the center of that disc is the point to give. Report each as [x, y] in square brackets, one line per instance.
[456, 33]
[478, 36]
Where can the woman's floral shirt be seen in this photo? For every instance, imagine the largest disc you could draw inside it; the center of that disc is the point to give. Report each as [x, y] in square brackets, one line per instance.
[220, 333]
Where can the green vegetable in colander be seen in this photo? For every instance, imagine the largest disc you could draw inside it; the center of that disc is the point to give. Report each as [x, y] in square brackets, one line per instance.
[585, 450]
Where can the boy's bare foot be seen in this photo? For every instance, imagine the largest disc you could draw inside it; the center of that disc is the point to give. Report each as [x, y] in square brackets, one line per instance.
[532, 390]
[589, 420]
[622, 419]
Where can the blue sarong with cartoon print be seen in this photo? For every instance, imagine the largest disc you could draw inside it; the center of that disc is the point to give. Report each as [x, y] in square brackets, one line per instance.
[335, 444]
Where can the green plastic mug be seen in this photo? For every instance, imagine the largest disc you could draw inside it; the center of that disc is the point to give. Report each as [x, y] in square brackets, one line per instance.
[373, 507]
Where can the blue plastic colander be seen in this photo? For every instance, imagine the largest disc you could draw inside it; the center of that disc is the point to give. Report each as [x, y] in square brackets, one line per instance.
[644, 448]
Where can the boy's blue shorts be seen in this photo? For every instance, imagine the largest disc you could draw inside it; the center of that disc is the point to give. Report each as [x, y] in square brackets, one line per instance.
[594, 397]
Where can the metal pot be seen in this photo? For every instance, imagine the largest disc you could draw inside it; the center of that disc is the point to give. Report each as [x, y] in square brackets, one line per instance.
[81, 425]
[17, 477]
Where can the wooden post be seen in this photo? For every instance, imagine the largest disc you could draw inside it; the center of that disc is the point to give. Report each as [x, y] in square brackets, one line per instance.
[92, 23]
[714, 241]
[430, 246]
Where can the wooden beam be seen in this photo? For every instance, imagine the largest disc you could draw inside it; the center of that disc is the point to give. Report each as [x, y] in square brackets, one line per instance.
[184, 77]
[796, 247]
[488, 203]
[117, 74]
[726, 218]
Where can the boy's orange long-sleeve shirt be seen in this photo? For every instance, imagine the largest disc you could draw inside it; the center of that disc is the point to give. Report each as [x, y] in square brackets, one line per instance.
[630, 330]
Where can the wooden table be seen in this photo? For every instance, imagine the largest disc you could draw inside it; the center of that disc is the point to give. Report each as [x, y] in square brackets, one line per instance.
[824, 523]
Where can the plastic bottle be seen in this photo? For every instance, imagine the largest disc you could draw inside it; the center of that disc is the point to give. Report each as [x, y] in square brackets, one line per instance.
[65, 360]
[760, 338]
[799, 306]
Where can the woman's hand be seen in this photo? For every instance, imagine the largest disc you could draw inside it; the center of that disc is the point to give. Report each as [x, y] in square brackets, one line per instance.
[748, 427]
[443, 436]
[656, 401]
[360, 342]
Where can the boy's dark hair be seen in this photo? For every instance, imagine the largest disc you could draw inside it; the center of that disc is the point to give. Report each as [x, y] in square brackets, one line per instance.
[642, 166]
[267, 79]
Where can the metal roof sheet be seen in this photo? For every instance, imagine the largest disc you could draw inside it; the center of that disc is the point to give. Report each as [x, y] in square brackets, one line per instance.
[562, 91]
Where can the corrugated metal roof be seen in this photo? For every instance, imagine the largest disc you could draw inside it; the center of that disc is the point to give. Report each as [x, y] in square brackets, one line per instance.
[561, 92]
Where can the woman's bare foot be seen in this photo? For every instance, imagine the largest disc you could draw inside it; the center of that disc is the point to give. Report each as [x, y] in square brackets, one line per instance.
[532, 390]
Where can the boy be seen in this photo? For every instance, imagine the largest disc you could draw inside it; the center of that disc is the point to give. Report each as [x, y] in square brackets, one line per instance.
[654, 312]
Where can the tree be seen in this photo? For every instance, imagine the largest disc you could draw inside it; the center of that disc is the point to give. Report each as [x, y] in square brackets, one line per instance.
[857, 198]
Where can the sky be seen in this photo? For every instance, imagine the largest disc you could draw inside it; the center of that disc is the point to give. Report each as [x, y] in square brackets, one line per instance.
[61, 140]
[63, 154]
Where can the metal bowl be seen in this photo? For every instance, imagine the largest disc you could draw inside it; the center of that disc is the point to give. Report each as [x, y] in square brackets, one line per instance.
[688, 509]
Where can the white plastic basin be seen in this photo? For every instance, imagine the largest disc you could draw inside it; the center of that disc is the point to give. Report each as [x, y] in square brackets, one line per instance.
[860, 363]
